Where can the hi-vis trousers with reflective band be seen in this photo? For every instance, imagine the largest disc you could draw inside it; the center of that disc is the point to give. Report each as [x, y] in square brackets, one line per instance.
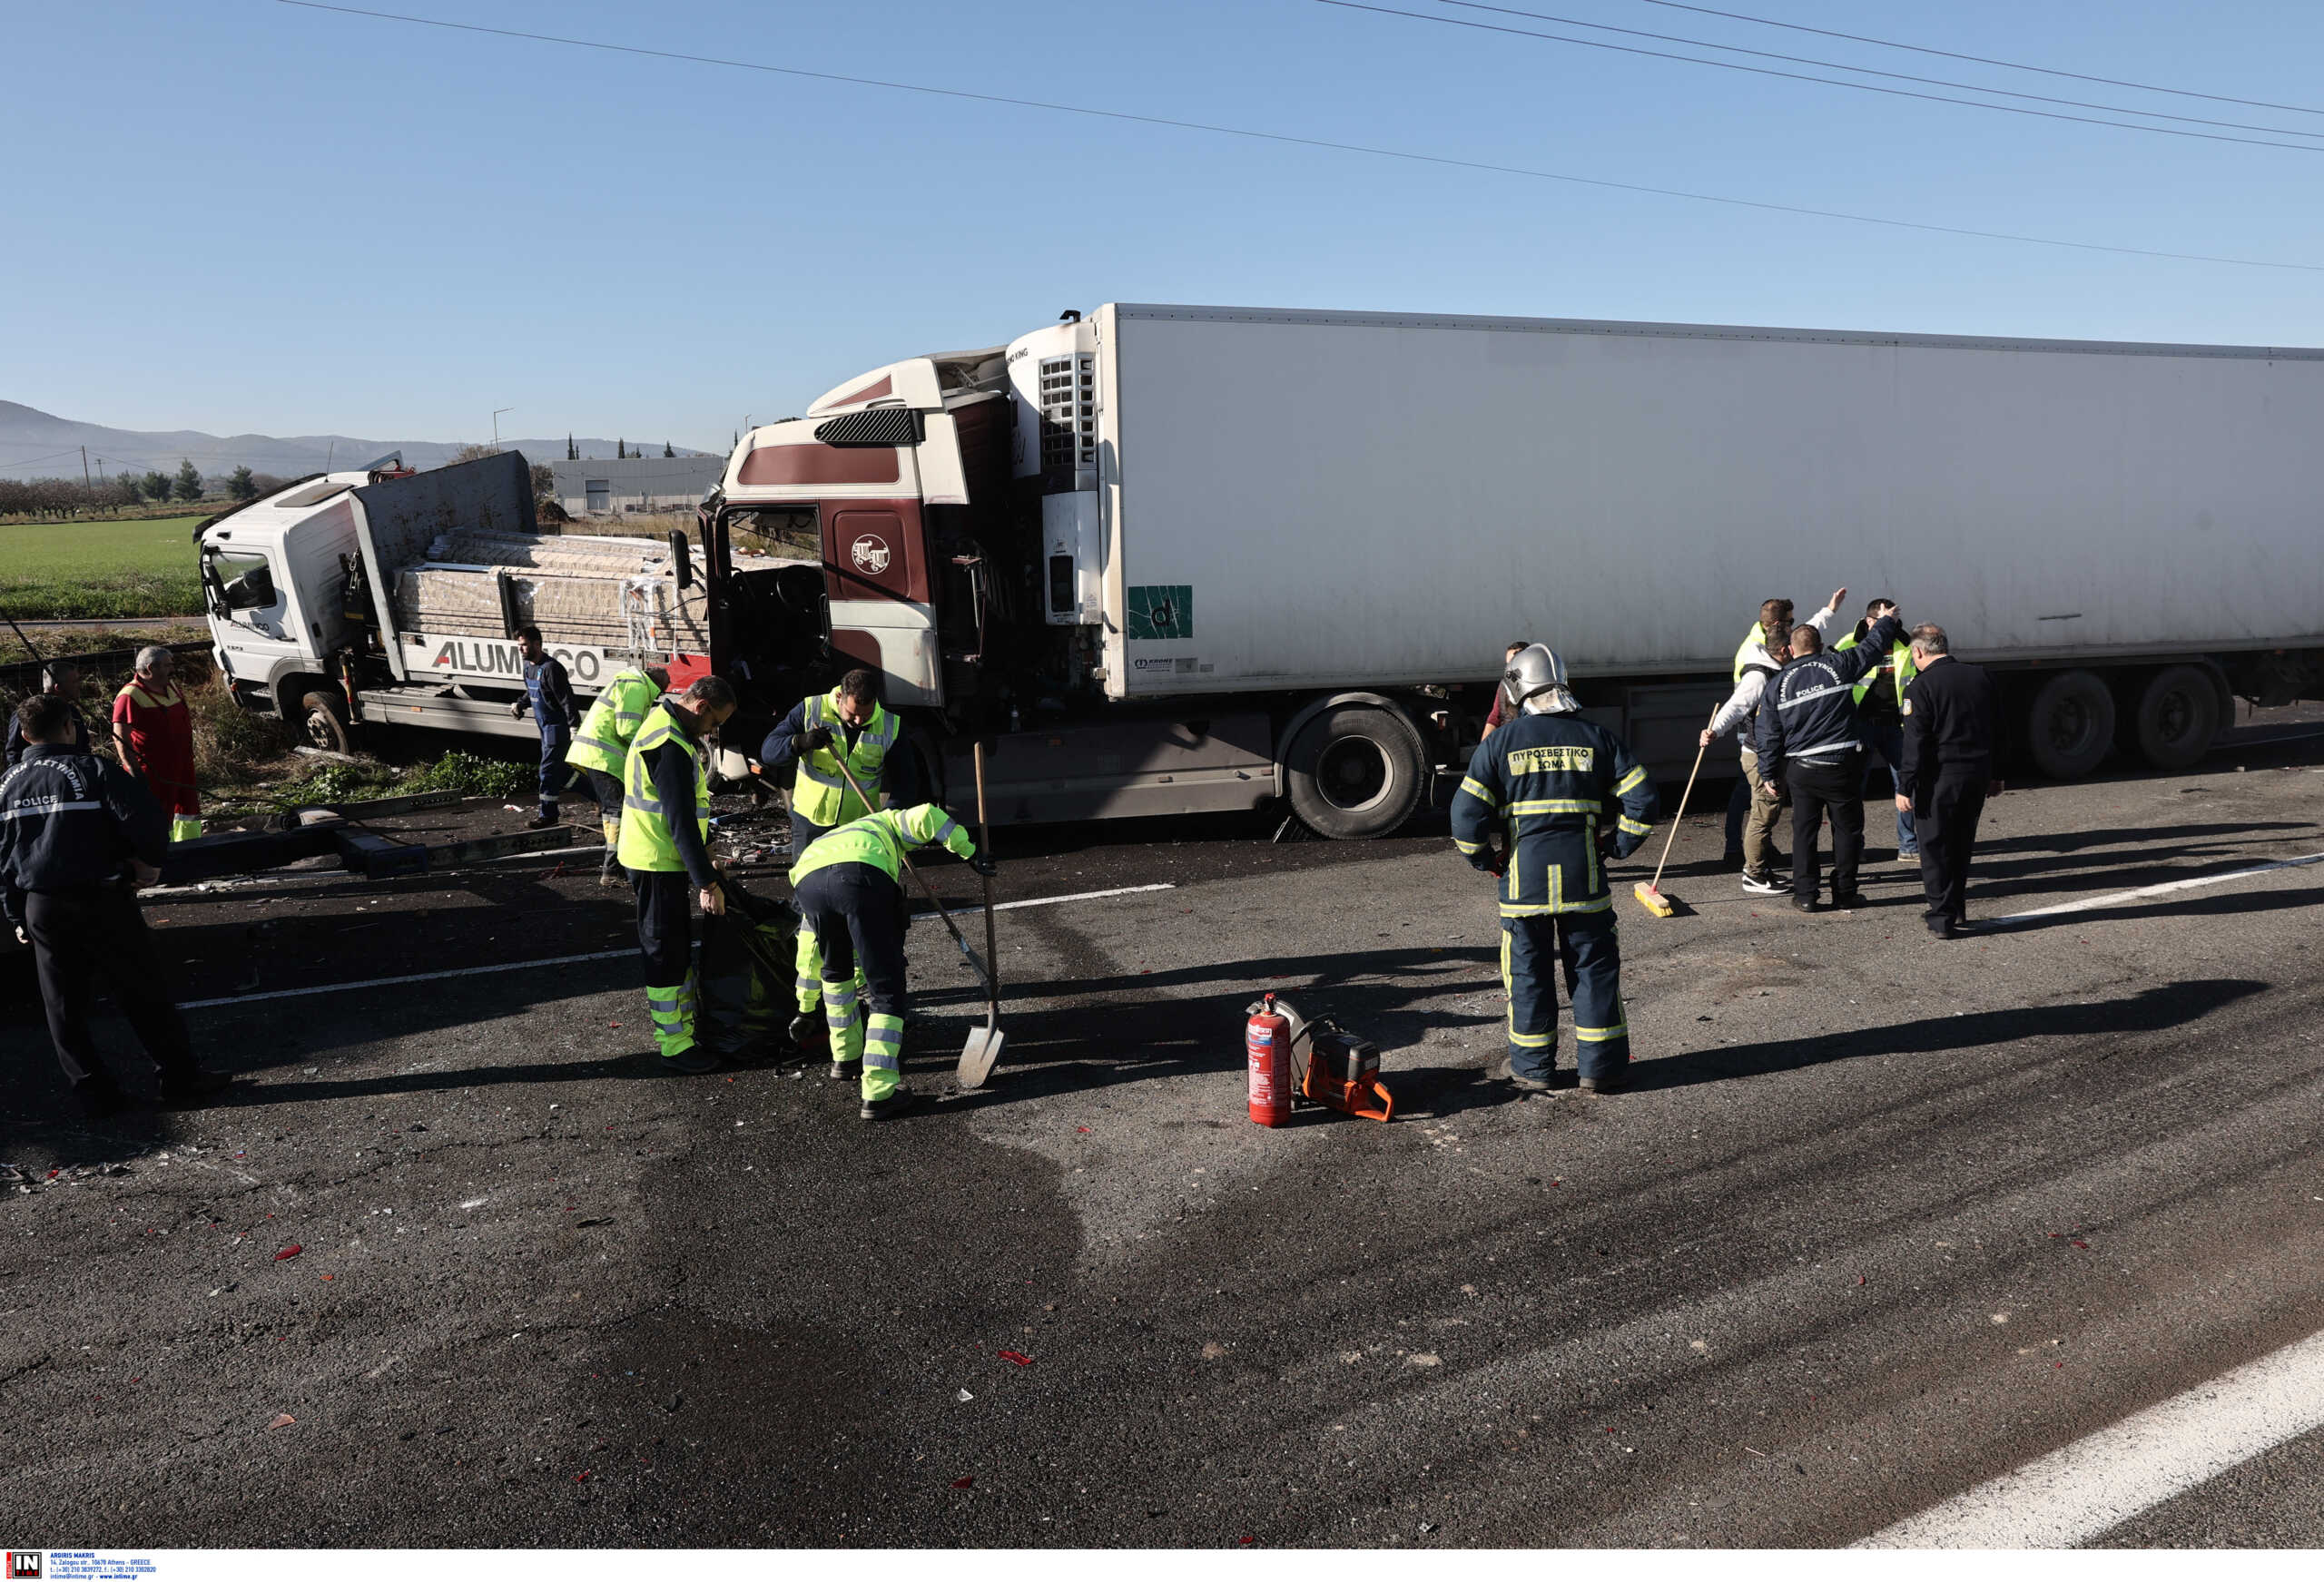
[852, 917]
[1584, 945]
[666, 939]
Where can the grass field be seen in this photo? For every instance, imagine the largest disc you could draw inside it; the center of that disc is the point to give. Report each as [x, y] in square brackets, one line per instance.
[99, 570]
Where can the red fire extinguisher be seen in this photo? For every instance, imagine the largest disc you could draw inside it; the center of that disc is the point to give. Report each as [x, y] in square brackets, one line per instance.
[1267, 1045]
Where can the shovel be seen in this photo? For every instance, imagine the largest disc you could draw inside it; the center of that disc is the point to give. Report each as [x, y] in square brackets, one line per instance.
[983, 1047]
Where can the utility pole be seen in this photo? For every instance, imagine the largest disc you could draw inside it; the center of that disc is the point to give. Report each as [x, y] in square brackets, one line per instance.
[84, 467]
[496, 424]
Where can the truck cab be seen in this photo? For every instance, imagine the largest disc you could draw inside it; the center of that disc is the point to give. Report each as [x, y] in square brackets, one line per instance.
[274, 575]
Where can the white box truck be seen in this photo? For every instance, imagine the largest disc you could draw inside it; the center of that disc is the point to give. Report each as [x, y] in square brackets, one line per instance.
[1170, 559]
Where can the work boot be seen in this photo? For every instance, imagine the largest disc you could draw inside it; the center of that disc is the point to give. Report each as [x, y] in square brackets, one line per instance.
[888, 1108]
[1609, 1084]
[1804, 904]
[541, 822]
[1848, 902]
[844, 1070]
[693, 1060]
[609, 869]
[188, 1089]
[1524, 1084]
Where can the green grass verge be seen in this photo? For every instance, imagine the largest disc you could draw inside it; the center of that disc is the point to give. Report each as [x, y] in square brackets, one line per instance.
[89, 570]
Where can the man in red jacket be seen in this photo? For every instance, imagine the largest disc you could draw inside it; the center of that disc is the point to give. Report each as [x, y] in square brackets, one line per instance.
[152, 731]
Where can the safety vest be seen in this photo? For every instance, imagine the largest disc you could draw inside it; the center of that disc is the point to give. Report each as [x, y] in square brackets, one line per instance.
[1754, 638]
[821, 795]
[879, 840]
[645, 841]
[1900, 664]
[607, 729]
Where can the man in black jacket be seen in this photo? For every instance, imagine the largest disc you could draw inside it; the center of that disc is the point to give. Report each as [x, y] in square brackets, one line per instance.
[1949, 728]
[78, 838]
[60, 678]
[1809, 743]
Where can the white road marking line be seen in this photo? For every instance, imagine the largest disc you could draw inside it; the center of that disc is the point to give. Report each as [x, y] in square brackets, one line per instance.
[2120, 896]
[244, 1000]
[2073, 1495]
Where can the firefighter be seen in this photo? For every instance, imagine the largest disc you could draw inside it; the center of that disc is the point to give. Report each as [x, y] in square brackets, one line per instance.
[664, 845]
[153, 735]
[850, 723]
[78, 837]
[1546, 779]
[548, 694]
[601, 747]
[852, 923]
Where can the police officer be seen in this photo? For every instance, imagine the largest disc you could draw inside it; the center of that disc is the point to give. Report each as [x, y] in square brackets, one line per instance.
[78, 838]
[664, 845]
[1880, 715]
[549, 692]
[1545, 780]
[1808, 746]
[848, 723]
[601, 747]
[851, 911]
[1950, 722]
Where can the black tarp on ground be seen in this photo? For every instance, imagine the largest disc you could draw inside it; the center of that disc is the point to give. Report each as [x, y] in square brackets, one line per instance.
[745, 975]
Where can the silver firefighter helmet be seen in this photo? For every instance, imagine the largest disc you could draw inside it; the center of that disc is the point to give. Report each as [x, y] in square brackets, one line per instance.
[1535, 670]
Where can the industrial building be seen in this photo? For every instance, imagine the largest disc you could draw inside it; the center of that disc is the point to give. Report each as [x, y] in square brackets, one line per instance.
[650, 483]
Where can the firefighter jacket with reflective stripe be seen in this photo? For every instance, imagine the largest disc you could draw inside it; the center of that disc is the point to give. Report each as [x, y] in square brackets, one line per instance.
[611, 723]
[1808, 714]
[821, 795]
[665, 802]
[69, 820]
[882, 839]
[1548, 781]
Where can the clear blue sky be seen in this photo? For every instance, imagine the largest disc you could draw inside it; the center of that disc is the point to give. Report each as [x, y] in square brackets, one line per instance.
[237, 215]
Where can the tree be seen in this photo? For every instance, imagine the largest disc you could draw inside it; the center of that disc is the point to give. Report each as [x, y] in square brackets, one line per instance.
[266, 483]
[621, 451]
[131, 487]
[572, 451]
[241, 486]
[157, 487]
[189, 481]
[544, 481]
[666, 448]
[473, 453]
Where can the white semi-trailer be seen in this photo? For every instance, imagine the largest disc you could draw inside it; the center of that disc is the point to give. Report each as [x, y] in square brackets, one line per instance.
[1170, 559]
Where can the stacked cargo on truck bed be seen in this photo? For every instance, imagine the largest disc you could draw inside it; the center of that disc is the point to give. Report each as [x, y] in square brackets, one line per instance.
[618, 593]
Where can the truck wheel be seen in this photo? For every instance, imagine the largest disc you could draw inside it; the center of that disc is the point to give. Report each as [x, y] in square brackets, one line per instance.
[1355, 772]
[326, 722]
[2070, 724]
[2178, 715]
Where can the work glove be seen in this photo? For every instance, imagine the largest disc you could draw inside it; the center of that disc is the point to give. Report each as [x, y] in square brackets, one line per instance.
[814, 739]
[517, 709]
[984, 865]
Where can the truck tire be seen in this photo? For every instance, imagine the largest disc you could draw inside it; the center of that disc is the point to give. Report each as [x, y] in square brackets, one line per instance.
[2070, 724]
[325, 723]
[1355, 771]
[2178, 715]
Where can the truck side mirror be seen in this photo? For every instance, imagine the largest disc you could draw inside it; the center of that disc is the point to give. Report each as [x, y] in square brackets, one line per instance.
[681, 557]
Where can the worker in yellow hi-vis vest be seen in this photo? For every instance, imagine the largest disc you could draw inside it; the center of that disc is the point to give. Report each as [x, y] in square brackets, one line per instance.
[846, 725]
[852, 912]
[666, 846]
[601, 747]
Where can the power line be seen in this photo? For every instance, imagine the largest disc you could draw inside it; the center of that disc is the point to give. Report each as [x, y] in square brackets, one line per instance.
[1292, 140]
[1632, 49]
[1987, 60]
[1875, 72]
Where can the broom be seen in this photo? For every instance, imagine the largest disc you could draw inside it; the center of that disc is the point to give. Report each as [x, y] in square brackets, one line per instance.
[1649, 892]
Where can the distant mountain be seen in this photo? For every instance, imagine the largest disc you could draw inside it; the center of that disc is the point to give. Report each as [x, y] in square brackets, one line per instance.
[36, 444]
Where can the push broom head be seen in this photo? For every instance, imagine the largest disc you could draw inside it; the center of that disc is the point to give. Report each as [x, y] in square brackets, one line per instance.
[1652, 899]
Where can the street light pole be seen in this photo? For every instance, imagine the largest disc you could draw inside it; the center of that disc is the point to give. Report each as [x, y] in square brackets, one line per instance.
[496, 424]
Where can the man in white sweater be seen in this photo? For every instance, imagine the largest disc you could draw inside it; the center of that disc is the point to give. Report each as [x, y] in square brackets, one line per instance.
[1763, 654]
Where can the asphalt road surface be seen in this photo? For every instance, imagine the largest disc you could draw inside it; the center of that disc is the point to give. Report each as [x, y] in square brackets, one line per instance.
[1883, 1219]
